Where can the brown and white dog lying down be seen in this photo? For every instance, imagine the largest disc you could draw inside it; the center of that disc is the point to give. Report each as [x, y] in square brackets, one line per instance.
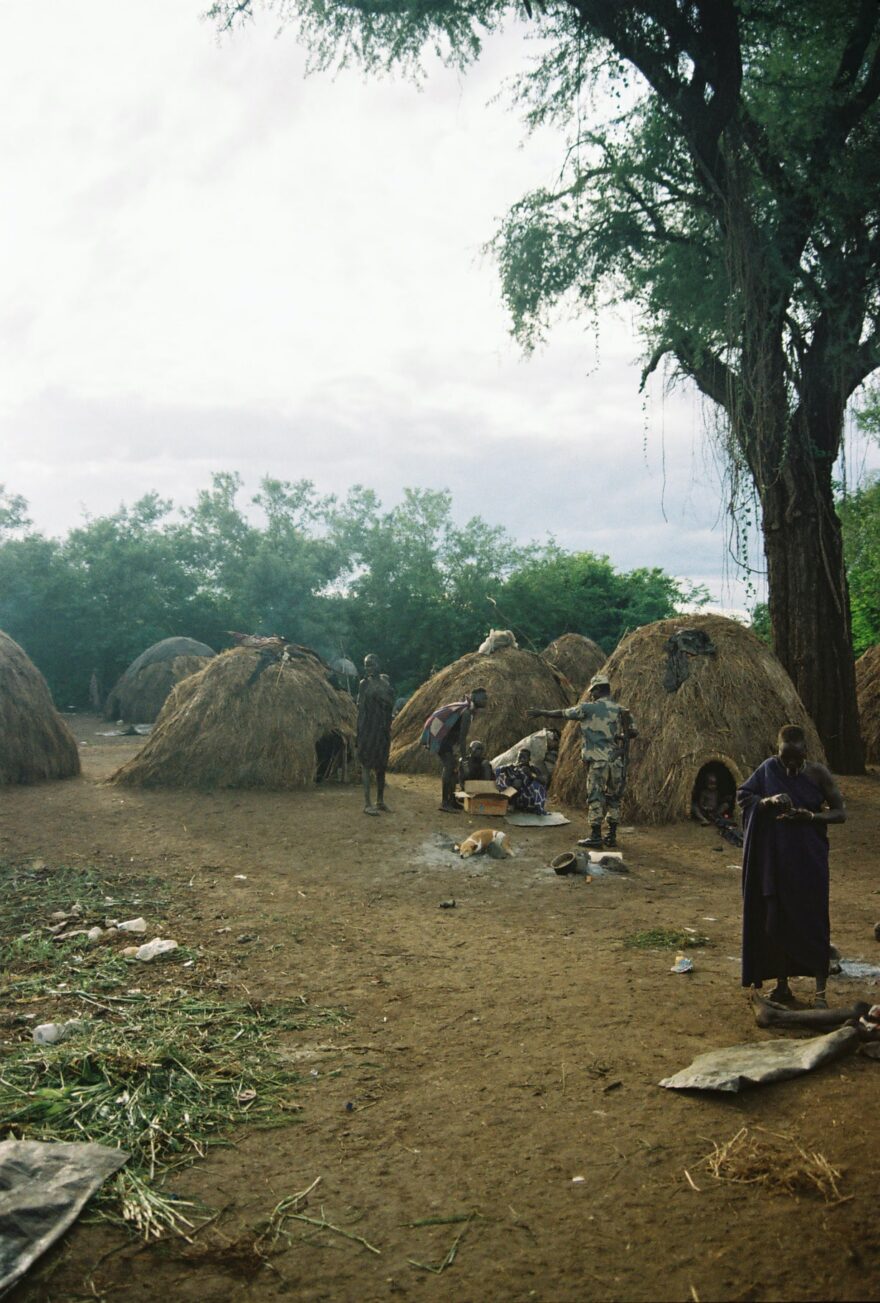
[488, 841]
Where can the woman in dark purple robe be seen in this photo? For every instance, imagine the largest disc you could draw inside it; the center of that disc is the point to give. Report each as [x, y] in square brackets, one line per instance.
[787, 804]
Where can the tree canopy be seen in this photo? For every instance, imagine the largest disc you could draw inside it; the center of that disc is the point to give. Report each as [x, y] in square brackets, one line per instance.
[719, 171]
[346, 577]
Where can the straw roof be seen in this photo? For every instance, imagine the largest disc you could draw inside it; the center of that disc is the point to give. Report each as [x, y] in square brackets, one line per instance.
[868, 689]
[140, 693]
[728, 710]
[577, 657]
[35, 742]
[244, 722]
[513, 679]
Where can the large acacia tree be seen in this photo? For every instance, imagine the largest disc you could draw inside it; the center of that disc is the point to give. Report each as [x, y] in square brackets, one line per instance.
[732, 194]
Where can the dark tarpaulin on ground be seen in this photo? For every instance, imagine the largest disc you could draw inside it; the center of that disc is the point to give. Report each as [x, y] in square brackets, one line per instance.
[43, 1189]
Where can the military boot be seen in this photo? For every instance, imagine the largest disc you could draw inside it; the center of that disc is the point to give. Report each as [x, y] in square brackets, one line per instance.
[594, 841]
[610, 839]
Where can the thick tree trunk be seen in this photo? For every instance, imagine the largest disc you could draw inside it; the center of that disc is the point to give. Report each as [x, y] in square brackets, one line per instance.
[809, 605]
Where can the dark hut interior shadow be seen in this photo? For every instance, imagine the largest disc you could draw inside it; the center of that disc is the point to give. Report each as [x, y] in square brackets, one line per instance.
[333, 758]
[726, 784]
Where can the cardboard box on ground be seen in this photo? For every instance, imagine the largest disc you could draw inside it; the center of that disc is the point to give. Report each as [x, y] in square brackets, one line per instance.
[480, 796]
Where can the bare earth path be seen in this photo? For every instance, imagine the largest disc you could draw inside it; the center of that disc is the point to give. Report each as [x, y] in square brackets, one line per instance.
[495, 1051]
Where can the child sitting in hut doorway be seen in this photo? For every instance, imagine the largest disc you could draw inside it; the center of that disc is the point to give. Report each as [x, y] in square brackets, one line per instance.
[712, 805]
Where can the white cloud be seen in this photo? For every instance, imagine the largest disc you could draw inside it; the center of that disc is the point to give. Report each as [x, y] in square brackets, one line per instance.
[210, 262]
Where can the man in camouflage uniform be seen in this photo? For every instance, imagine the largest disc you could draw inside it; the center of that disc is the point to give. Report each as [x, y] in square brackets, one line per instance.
[606, 728]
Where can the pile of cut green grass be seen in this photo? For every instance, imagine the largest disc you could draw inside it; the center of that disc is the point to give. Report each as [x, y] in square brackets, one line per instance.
[161, 1073]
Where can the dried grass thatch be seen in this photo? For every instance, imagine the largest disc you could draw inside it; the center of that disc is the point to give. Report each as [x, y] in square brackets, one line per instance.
[727, 711]
[575, 656]
[776, 1163]
[35, 742]
[140, 694]
[868, 689]
[513, 679]
[230, 726]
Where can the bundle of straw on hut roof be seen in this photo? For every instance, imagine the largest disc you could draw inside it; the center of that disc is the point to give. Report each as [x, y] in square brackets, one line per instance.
[868, 690]
[575, 656]
[703, 690]
[141, 692]
[244, 721]
[513, 679]
[35, 742]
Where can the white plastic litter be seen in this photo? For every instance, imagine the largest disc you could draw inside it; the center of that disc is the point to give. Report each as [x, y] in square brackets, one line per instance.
[133, 925]
[153, 949]
[50, 1033]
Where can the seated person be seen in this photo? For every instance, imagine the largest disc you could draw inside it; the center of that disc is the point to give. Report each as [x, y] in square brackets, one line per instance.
[709, 802]
[531, 794]
[543, 747]
[712, 808]
[475, 766]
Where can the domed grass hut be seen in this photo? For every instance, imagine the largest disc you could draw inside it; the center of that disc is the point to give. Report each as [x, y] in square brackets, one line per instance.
[513, 679]
[35, 742]
[247, 720]
[143, 689]
[868, 690]
[575, 656]
[705, 694]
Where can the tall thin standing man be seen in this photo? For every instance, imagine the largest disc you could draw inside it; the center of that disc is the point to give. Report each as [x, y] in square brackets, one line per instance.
[374, 706]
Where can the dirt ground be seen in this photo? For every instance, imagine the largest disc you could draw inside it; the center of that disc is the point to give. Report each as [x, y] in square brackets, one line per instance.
[495, 1052]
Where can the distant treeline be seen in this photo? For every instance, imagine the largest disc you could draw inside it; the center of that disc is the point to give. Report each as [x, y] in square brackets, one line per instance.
[343, 576]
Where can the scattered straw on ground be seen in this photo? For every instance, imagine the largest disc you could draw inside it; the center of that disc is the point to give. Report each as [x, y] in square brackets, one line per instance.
[776, 1163]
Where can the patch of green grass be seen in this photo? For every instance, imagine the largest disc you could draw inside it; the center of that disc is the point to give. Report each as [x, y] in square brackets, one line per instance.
[660, 938]
[161, 1073]
[31, 891]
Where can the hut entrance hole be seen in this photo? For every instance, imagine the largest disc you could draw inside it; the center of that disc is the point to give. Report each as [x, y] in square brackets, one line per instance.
[725, 785]
[331, 758]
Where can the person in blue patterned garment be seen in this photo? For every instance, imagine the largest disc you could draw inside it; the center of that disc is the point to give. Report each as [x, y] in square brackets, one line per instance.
[531, 794]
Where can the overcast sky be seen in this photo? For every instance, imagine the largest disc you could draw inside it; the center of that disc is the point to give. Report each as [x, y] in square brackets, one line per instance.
[209, 262]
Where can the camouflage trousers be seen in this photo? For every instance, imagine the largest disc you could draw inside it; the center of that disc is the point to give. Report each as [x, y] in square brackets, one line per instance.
[604, 789]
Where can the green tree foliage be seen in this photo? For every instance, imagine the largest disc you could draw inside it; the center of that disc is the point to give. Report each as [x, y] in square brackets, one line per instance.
[419, 585]
[346, 577]
[555, 592]
[860, 514]
[726, 184]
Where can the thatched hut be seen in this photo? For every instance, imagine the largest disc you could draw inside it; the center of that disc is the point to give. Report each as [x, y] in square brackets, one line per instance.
[575, 656]
[142, 691]
[513, 679]
[868, 690]
[35, 742]
[714, 698]
[247, 720]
